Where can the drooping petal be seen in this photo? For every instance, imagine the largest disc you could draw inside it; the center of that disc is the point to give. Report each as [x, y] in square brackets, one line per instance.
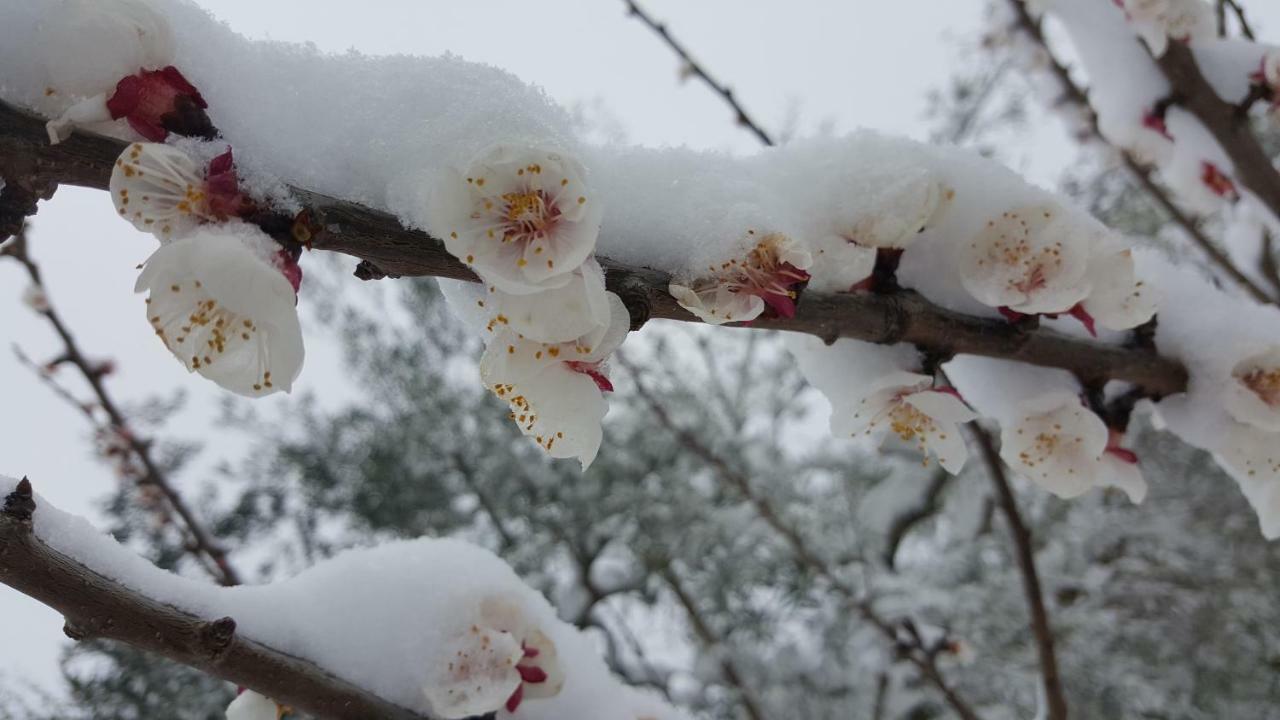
[1117, 299]
[158, 188]
[1252, 456]
[224, 308]
[1125, 475]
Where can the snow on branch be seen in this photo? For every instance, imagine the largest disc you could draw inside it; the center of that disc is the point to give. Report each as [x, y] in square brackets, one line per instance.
[406, 631]
[386, 248]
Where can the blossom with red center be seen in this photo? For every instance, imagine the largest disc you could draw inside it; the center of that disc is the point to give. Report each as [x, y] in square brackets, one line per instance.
[767, 281]
[1218, 182]
[907, 405]
[156, 102]
[520, 217]
[1061, 445]
[163, 191]
[1153, 121]
[500, 661]
[1030, 260]
[555, 390]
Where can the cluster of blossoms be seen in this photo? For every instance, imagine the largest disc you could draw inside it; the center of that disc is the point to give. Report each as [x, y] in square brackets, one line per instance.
[499, 661]
[222, 294]
[523, 219]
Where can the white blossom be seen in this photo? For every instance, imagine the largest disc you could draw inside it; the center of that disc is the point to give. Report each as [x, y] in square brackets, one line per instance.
[552, 316]
[522, 218]
[555, 390]
[1030, 260]
[1253, 395]
[1117, 299]
[1252, 456]
[497, 662]
[221, 301]
[249, 705]
[1057, 443]
[158, 188]
[907, 405]
[739, 290]
[89, 45]
[905, 208]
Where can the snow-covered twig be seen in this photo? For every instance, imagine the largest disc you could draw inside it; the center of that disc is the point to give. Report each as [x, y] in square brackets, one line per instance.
[202, 543]
[386, 247]
[1074, 94]
[97, 607]
[691, 67]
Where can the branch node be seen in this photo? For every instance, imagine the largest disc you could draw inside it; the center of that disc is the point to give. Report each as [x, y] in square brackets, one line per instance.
[216, 636]
[74, 631]
[21, 504]
[634, 293]
[366, 270]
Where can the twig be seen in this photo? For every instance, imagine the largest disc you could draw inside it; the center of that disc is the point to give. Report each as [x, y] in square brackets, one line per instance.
[1055, 697]
[1238, 9]
[378, 238]
[902, 524]
[918, 655]
[152, 474]
[1141, 172]
[98, 607]
[713, 643]
[692, 67]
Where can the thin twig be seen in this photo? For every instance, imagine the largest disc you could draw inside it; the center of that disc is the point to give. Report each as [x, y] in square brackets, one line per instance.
[1055, 696]
[692, 67]
[152, 473]
[918, 655]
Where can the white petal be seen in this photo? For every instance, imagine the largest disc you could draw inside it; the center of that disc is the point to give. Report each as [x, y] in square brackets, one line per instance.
[1060, 449]
[224, 310]
[1117, 299]
[249, 705]
[1124, 475]
[1030, 259]
[1244, 403]
[715, 304]
[839, 264]
[475, 674]
[908, 207]
[1252, 456]
[158, 188]
[560, 314]
[548, 660]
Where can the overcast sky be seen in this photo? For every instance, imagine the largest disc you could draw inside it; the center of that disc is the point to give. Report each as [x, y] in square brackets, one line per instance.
[856, 63]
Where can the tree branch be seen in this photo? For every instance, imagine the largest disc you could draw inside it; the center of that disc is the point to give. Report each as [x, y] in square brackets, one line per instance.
[95, 606]
[201, 538]
[692, 67]
[902, 524]
[1142, 173]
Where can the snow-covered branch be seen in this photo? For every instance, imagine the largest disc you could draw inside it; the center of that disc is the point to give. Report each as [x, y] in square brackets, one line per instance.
[98, 607]
[386, 247]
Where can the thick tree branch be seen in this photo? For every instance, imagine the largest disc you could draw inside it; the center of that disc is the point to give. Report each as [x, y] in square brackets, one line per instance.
[203, 544]
[96, 606]
[692, 67]
[1142, 173]
[378, 239]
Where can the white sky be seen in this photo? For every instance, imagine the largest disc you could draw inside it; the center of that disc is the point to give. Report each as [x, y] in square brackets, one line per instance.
[856, 63]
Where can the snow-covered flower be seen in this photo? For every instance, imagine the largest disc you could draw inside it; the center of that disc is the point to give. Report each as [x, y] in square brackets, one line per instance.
[1030, 260]
[1252, 456]
[1117, 299]
[520, 217]
[1057, 443]
[1253, 396]
[35, 298]
[162, 191]
[89, 45]
[739, 290]
[250, 705]
[498, 662]
[223, 300]
[555, 390]
[909, 406]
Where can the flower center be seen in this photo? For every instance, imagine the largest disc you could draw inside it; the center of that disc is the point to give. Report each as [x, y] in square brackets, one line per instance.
[908, 422]
[1265, 384]
[527, 214]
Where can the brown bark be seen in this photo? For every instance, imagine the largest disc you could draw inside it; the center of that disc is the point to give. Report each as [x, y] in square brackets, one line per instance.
[95, 606]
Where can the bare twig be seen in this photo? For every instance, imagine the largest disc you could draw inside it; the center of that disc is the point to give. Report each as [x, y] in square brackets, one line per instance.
[713, 643]
[202, 541]
[902, 524]
[95, 606]
[1245, 29]
[692, 67]
[1055, 696]
[1142, 173]
[924, 659]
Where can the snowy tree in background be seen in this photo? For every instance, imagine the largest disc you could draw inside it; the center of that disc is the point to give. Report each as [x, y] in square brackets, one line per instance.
[533, 511]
